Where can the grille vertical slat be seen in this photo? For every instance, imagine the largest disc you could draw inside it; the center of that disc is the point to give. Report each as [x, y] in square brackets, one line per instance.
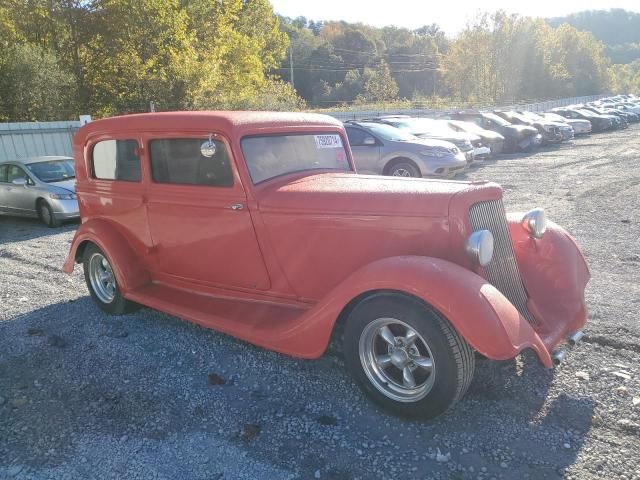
[502, 272]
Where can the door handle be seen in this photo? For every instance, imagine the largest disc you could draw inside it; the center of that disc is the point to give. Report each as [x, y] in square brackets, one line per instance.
[236, 206]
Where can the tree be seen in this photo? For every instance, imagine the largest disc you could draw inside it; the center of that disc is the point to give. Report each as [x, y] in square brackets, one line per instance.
[378, 85]
[33, 86]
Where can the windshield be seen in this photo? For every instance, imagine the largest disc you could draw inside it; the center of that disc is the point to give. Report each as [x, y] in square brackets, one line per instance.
[496, 119]
[554, 117]
[586, 113]
[418, 126]
[53, 170]
[276, 155]
[389, 133]
[467, 127]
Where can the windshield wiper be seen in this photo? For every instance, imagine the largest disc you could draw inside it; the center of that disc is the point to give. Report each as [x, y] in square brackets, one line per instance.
[62, 179]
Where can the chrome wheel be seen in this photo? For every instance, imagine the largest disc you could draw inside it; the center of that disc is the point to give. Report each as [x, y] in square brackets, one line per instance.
[397, 360]
[401, 172]
[103, 281]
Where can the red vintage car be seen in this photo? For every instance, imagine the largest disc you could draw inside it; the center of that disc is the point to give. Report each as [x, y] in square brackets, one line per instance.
[257, 225]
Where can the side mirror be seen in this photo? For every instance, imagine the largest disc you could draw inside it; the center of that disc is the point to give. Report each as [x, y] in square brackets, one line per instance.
[20, 182]
[369, 141]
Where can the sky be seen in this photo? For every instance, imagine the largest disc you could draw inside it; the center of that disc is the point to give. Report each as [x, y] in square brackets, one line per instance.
[451, 15]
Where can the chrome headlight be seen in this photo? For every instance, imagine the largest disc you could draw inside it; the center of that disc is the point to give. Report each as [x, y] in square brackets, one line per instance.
[63, 196]
[480, 247]
[434, 153]
[535, 222]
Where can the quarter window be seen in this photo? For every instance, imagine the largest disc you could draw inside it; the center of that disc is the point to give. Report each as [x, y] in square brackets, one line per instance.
[116, 160]
[180, 161]
[3, 173]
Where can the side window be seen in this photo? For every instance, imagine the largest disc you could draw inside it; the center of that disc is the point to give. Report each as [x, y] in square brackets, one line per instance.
[14, 172]
[356, 136]
[116, 160]
[3, 173]
[180, 161]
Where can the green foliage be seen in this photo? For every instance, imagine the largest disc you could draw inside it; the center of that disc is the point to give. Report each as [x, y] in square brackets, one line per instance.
[32, 84]
[625, 78]
[179, 54]
[503, 58]
[341, 63]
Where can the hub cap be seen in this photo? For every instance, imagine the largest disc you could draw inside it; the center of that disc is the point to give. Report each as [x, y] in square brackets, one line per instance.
[397, 360]
[102, 278]
[401, 172]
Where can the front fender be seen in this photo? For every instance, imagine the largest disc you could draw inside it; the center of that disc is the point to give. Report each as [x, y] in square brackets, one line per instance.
[475, 308]
[555, 275]
[127, 267]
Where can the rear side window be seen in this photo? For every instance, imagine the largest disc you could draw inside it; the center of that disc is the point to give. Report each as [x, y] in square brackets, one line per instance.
[116, 160]
[180, 161]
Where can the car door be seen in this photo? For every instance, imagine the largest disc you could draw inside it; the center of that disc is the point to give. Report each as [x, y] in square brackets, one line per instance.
[197, 210]
[19, 199]
[366, 150]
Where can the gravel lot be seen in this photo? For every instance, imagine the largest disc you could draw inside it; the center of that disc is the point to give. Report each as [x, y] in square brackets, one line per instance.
[148, 396]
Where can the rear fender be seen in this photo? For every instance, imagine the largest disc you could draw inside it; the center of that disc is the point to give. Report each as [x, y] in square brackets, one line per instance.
[127, 267]
[475, 308]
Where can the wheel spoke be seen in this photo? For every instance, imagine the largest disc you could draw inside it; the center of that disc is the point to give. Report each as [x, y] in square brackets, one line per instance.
[410, 337]
[383, 361]
[407, 378]
[423, 362]
[105, 264]
[387, 335]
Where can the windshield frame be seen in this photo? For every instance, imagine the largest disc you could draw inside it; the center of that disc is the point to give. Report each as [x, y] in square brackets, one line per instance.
[28, 167]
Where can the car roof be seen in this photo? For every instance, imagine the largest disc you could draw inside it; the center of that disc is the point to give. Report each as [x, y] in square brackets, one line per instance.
[238, 123]
[45, 158]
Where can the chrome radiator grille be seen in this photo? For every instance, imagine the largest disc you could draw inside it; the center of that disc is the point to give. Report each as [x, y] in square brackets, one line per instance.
[502, 272]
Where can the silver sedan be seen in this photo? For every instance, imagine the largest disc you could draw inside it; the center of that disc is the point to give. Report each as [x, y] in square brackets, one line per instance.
[41, 187]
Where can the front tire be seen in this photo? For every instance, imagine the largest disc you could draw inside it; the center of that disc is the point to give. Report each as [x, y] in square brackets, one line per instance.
[47, 215]
[404, 169]
[102, 282]
[406, 357]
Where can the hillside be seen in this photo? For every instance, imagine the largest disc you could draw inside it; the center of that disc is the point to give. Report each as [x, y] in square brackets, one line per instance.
[618, 29]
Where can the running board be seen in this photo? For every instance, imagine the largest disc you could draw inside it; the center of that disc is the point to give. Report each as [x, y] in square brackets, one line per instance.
[283, 328]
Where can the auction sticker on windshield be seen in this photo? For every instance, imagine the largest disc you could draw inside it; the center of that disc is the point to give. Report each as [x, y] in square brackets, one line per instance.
[328, 141]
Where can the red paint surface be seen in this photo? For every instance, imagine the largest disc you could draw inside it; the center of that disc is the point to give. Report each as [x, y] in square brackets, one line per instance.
[279, 272]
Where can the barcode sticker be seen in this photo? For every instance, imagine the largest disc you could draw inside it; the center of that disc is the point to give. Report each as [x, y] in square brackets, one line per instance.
[328, 141]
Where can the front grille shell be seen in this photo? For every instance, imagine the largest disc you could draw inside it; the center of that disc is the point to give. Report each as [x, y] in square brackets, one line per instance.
[502, 272]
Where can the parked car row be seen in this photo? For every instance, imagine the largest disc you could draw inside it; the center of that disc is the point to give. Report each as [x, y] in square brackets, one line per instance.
[444, 146]
[396, 145]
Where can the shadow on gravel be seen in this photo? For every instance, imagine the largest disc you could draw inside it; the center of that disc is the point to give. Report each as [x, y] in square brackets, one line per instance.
[14, 229]
[80, 391]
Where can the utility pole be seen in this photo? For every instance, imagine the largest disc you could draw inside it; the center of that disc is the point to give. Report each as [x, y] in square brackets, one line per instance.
[293, 85]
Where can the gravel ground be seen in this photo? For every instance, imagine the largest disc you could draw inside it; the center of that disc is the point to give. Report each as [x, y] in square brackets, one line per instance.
[148, 396]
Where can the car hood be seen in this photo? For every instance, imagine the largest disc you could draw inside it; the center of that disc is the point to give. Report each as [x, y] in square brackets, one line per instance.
[520, 131]
[420, 143]
[453, 137]
[363, 195]
[68, 185]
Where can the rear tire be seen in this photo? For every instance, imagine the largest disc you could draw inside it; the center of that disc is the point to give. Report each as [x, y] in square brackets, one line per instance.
[404, 168]
[102, 283]
[406, 357]
[47, 215]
